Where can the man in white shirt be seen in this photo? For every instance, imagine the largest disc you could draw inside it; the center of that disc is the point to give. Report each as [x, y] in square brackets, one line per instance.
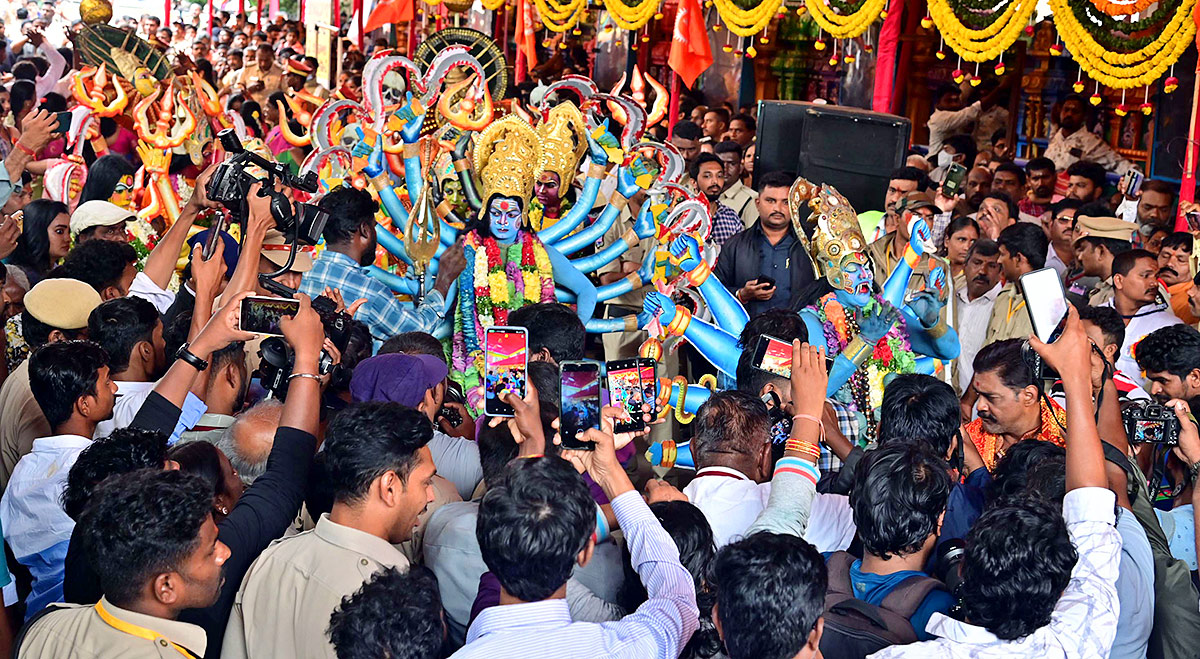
[732, 451]
[70, 381]
[541, 515]
[977, 291]
[1073, 142]
[953, 116]
[452, 551]
[1054, 597]
[131, 332]
[1136, 298]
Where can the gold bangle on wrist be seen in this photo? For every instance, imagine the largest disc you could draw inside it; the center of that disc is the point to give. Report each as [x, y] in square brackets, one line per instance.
[699, 273]
[680, 322]
[858, 350]
[619, 201]
[412, 150]
[596, 170]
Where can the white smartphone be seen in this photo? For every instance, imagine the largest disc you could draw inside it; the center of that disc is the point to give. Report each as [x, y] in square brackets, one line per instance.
[1046, 302]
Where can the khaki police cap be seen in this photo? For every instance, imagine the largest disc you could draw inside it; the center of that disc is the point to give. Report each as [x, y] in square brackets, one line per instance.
[62, 303]
[1103, 227]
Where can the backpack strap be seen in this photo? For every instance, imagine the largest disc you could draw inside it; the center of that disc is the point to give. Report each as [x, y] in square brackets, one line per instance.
[838, 566]
[20, 639]
[906, 598]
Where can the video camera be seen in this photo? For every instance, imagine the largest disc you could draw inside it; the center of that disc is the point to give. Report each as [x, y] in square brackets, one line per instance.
[277, 356]
[1148, 422]
[230, 186]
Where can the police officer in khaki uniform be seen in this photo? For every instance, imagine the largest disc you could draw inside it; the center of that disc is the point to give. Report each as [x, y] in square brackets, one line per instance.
[884, 251]
[261, 77]
[1097, 228]
[382, 473]
[170, 560]
[55, 310]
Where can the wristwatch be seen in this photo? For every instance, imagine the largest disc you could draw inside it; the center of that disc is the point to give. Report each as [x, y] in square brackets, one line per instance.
[187, 356]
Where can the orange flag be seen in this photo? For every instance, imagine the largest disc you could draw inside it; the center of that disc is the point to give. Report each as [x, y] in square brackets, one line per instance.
[526, 30]
[388, 12]
[690, 53]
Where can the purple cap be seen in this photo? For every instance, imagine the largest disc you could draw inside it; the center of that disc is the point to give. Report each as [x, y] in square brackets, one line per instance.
[397, 378]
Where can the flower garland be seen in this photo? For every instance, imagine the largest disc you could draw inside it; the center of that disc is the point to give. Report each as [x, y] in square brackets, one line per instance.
[1125, 70]
[631, 16]
[1110, 32]
[1122, 8]
[748, 22]
[560, 17]
[848, 26]
[863, 393]
[498, 279]
[983, 44]
[537, 214]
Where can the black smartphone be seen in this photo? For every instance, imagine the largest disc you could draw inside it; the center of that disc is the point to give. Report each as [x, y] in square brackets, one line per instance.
[261, 315]
[648, 374]
[506, 354]
[955, 175]
[214, 237]
[770, 281]
[625, 391]
[1046, 301]
[579, 402]
[1193, 220]
[64, 123]
[773, 356]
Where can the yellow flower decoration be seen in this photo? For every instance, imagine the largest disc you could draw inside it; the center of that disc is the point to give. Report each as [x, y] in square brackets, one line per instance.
[1126, 70]
[991, 41]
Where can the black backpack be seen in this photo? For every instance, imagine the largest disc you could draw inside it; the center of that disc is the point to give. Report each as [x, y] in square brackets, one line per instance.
[854, 628]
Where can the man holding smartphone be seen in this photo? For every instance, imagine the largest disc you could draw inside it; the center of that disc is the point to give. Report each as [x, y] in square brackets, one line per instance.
[765, 266]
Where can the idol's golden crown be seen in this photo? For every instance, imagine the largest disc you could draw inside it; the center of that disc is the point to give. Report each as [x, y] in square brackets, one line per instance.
[506, 155]
[564, 141]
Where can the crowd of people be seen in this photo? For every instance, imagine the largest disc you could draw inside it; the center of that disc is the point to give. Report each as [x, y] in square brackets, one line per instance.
[164, 491]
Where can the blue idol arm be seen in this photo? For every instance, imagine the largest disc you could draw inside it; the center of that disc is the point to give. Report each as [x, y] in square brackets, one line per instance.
[398, 284]
[576, 282]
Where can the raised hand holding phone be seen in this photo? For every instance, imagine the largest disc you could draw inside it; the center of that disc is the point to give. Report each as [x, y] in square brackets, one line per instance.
[602, 463]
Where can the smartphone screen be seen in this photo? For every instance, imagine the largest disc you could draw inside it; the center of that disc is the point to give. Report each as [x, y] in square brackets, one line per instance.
[1046, 301]
[648, 374]
[773, 356]
[955, 175]
[505, 355]
[580, 402]
[64, 123]
[625, 391]
[261, 315]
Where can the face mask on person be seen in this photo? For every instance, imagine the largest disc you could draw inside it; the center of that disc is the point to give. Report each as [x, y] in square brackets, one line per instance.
[944, 159]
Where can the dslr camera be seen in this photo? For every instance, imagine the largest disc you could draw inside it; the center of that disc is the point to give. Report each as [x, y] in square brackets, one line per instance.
[230, 186]
[1147, 422]
[277, 357]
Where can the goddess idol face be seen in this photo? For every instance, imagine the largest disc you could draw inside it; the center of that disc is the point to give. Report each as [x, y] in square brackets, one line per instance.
[857, 281]
[504, 219]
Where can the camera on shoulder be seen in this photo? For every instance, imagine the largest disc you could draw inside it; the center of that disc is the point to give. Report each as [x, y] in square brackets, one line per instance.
[231, 181]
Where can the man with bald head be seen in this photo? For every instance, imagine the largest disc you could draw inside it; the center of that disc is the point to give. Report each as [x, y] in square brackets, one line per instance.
[248, 442]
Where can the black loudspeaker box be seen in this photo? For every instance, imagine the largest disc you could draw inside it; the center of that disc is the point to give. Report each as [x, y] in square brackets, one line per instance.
[851, 149]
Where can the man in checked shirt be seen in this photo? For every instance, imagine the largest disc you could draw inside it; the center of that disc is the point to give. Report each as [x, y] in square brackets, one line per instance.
[350, 247]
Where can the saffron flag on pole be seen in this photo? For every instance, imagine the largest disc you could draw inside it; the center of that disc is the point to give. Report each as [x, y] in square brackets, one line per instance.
[690, 52]
[388, 12]
[526, 33]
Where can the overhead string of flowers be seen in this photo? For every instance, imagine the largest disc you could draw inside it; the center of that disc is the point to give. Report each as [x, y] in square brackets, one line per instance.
[1122, 53]
[979, 30]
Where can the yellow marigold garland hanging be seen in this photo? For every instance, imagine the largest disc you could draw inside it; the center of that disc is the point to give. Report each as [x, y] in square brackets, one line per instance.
[1126, 70]
[747, 22]
[631, 17]
[848, 26]
[560, 17]
[991, 41]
